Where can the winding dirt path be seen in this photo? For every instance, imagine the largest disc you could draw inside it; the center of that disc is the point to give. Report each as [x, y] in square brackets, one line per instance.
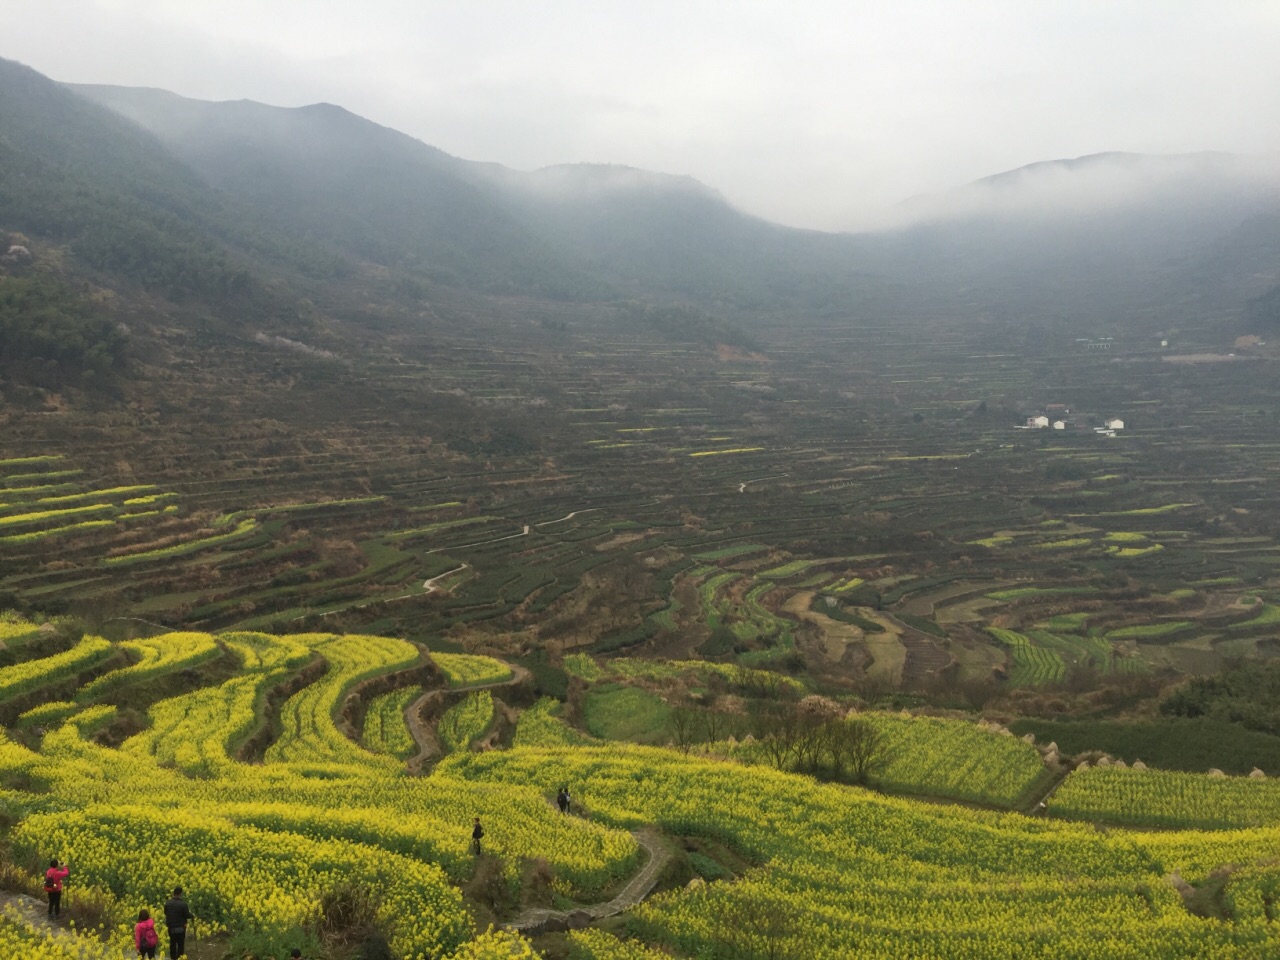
[568, 516]
[480, 543]
[37, 914]
[429, 586]
[541, 919]
[83, 945]
[424, 736]
[742, 487]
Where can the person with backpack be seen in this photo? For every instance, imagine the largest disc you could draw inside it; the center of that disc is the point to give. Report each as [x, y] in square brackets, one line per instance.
[562, 800]
[177, 914]
[54, 877]
[477, 832]
[145, 937]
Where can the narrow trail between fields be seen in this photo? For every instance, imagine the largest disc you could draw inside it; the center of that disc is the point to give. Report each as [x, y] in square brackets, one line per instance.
[35, 912]
[480, 543]
[429, 586]
[424, 736]
[545, 920]
[1039, 806]
[742, 487]
[525, 530]
[568, 516]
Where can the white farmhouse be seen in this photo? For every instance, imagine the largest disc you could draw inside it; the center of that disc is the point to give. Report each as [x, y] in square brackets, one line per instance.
[1059, 424]
[1037, 423]
[1115, 424]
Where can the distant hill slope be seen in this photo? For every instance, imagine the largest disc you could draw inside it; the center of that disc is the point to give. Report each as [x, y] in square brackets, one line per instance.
[350, 184]
[1116, 233]
[1111, 241]
[570, 232]
[76, 174]
[645, 229]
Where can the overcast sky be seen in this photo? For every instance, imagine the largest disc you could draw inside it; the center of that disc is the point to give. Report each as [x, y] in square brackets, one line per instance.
[809, 113]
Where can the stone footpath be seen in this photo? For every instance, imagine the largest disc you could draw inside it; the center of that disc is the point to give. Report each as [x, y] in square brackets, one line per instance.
[542, 920]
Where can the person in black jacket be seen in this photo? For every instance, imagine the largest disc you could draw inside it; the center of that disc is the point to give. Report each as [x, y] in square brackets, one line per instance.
[477, 832]
[176, 916]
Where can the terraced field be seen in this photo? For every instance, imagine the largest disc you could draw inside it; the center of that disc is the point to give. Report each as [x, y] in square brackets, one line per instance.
[322, 815]
[586, 510]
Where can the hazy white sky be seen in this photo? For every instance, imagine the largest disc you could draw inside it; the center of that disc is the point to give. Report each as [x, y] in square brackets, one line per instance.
[811, 113]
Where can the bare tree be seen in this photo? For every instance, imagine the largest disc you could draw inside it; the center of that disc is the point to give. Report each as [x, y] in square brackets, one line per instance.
[862, 748]
[776, 727]
[684, 726]
[715, 724]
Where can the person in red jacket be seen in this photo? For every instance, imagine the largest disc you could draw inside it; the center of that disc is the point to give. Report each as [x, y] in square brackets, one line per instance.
[53, 879]
[145, 937]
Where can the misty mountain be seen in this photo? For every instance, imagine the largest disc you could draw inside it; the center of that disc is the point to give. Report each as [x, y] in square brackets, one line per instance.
[1109, 237]
[79, 175]
[1111, 241]
[347, 183]
[570, 232]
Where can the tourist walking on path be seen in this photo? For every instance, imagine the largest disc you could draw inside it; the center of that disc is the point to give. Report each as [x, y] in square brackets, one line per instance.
[54, 877]
[477, 832]
[145, 937]
[562, 800]
[177, 914]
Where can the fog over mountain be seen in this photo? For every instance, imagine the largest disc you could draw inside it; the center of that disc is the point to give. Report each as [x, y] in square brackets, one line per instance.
[1142, 242]
[1223, 187]
[819, 116]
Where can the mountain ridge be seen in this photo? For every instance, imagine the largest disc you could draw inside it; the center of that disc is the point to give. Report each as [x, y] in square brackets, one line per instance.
[1082, 245]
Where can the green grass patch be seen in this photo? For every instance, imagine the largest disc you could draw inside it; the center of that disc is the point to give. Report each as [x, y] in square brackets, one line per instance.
[626, 713]
[1193, 745]
[1148, 631]
[1268, 617]
[1129, 553]
[726, 553]
[791, 569]
[1032, 665]
[1148, 511]
[437, 527]
[1067, 622]
[1023, 593]
[26, 461]
[583, 667]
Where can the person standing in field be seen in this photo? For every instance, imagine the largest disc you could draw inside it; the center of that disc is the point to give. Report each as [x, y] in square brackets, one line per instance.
[177, 914]
[477, 832]
[145, 937]
[54, 877]
[562, 800]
